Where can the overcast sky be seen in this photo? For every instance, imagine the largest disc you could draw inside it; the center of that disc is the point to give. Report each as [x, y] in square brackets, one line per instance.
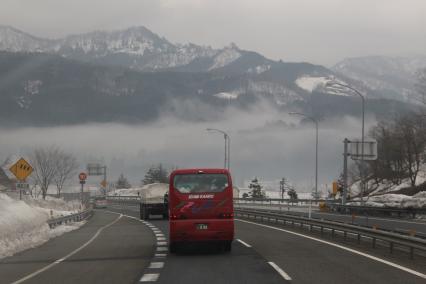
[318, 31]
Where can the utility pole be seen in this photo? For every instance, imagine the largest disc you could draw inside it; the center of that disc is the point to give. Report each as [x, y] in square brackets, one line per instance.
[227, 161]
[345, 170]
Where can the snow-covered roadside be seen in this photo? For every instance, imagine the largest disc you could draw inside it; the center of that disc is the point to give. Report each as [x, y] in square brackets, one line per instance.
[394, 200]
[23, 224]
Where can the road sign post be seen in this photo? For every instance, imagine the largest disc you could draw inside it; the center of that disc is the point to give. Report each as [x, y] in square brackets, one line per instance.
[359, 150]
[82, 177]
[21, 170]
[95, 169]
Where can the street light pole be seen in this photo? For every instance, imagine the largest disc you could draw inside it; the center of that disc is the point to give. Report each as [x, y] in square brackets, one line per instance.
[315, 121]
[227, 162]
[362, 131]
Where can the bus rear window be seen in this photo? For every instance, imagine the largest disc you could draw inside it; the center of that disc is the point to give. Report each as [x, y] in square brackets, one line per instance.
[200, 183]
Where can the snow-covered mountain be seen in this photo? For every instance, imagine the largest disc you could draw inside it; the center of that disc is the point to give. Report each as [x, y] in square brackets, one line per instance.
[14, 40]
[135, 47]
[391, 77]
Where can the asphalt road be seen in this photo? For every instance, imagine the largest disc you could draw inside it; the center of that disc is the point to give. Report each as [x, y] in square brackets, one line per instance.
[114, 249]
[304, 260]
[117, 255]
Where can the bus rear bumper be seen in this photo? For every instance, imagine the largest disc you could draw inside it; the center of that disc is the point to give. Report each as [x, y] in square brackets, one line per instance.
[196, 230]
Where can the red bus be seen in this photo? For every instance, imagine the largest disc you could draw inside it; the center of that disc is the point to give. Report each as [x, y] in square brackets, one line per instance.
[201, 207]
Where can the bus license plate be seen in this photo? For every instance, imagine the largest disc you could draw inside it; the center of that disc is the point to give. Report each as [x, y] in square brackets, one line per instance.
[201, 226]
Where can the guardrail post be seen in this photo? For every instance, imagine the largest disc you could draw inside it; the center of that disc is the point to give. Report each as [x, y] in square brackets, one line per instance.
[332, 233]
[391, 247]
[359, 238]
[374, 242]
[411, 252]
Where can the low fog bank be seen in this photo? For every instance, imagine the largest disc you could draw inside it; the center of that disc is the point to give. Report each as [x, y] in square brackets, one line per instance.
[265, 143]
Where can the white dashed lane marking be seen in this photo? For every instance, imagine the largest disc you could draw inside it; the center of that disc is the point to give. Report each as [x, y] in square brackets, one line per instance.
[280, 271]
[244, 243]
[156, 265]
[150, 277]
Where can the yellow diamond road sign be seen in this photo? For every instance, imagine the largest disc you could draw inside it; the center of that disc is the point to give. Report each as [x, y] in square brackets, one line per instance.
[21, 169]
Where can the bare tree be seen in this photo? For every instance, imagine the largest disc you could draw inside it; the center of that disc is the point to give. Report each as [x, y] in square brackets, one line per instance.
[66, 166]
[401, 149]
[421, 86]
[43, 160]
[413, 143]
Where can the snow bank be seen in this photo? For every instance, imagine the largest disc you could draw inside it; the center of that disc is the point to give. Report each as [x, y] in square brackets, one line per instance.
[395, 200]
[23, 225]
[57, 206]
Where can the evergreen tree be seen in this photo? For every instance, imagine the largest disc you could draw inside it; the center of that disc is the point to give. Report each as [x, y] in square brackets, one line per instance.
[122, 182]
[256, 189]
[292, 194]
[156, 174]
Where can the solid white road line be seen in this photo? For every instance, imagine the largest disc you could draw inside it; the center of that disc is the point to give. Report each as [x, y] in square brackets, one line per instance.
[150, 277]
[280, 271]
[406, 269]
[68, 255]
[244, 243]
[155, 265]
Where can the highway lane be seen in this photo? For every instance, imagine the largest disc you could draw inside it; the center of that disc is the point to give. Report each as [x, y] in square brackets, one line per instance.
[118, 254]
[404, 225]
[310, 261]
[304, 260]
[210, 264]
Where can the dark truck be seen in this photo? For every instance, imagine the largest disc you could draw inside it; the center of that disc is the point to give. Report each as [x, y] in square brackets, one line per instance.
[153, 207]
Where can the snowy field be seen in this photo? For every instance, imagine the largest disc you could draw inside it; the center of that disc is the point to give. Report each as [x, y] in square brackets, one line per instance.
[23, 223]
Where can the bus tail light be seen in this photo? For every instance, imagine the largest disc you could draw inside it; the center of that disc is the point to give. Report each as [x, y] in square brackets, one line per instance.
[226, 215]
[176, 217]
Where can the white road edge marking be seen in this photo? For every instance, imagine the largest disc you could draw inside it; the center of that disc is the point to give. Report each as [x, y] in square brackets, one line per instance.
[280, 271]
[150, 277]
[68, 255]
[244, 243]
[406, 269]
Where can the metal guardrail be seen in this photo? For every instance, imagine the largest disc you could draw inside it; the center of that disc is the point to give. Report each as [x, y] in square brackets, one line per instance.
[77, 217]
[412, 243]
[282, 201]
[371, 210]
[123, 199]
